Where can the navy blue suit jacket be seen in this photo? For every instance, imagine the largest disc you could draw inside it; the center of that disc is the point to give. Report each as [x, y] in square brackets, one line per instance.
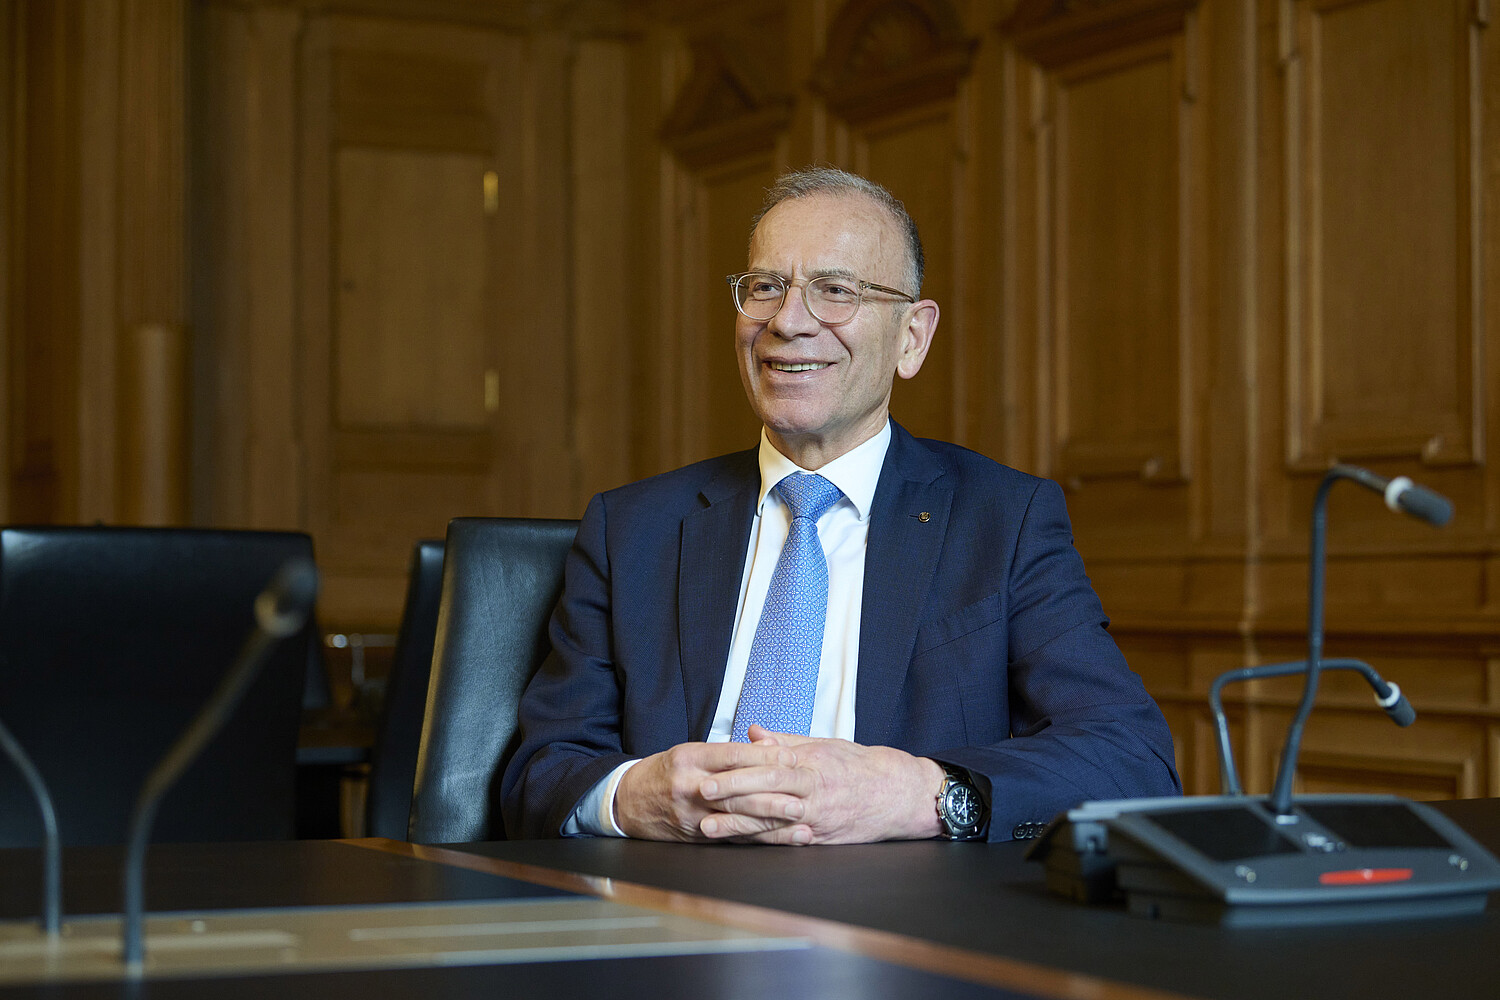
[981, 644]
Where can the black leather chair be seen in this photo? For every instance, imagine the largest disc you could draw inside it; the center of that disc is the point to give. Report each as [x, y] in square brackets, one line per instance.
[111, 639]
[393, 767]
[501, 580]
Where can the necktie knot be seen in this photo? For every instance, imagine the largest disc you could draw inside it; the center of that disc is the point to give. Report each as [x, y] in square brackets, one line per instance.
[808, 494]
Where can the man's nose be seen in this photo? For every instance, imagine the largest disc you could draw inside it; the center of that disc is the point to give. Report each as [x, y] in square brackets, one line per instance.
[793, 318]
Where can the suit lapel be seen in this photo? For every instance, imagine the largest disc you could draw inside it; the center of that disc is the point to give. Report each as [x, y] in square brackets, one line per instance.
[908, 523]
[708, 585]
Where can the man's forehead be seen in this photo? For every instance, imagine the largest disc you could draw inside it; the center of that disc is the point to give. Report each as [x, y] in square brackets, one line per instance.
[827, 233]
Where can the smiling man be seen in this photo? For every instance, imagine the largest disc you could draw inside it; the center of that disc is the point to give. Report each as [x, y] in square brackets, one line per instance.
[847, 634]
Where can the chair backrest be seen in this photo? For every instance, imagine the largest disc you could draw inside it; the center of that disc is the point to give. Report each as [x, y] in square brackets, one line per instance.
[111, 640]
[393, 767]
[501, 580]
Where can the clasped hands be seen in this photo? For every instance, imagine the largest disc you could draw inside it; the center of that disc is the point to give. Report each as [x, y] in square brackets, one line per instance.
[780, 789]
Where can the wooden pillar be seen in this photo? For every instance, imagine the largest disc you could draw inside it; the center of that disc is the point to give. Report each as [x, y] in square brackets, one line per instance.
[154, 364]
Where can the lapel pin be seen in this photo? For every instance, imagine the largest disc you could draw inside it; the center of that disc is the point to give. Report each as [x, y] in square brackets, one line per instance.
[924, 517]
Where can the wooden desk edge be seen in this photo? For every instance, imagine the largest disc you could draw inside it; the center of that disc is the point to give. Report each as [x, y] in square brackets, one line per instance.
[899, 949]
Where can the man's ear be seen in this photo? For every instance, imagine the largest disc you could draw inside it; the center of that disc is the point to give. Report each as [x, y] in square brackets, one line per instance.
[916, 337]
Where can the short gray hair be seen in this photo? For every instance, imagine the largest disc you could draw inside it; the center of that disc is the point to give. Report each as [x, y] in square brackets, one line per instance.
[831, 180]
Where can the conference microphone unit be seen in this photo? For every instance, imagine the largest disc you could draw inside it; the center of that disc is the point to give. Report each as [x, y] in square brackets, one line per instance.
[1278, 860]
[281, 610]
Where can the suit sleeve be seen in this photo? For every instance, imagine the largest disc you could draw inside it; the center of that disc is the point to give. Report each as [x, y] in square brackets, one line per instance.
[569, 725]
[1081, 724]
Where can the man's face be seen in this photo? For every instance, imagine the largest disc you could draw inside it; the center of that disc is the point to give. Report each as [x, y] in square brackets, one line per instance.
[822, 390]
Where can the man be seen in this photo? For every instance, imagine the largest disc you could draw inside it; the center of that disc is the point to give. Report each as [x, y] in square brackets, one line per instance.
[916, 653]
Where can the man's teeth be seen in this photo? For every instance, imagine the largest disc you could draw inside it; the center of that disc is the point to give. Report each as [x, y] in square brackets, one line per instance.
[805, 366]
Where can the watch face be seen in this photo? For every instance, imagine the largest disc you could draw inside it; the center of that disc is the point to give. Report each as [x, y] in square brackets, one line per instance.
[962, 806]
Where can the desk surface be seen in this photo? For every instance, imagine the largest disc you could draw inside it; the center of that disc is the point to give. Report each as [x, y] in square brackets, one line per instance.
[887, 920]
[988, 899]
[294, 891]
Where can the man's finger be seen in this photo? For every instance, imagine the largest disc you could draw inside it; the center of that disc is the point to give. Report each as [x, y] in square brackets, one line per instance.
[760, 735]
[756, 780]
[729, 756]
[742, 829]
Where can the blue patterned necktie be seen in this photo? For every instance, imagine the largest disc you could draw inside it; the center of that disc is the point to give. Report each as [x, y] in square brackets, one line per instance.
[782, 676]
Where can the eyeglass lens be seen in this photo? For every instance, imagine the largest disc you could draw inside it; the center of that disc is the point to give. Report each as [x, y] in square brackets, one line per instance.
[830, 298]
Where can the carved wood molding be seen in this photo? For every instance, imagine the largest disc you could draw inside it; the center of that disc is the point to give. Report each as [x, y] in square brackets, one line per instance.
[722, 113]
[891, 55]
[1055, 32]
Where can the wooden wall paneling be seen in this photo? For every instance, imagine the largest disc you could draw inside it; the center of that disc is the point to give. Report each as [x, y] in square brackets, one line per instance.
[1384, 344]
[1364, 752]
[536, 468]
[1119, 371]
[42, 393]
[661, 66]
[248, 353]
[438, 381]
[1486, 53]
[100, 331]
[1222, 82]
[1118, 163]
[608, 352]
[152, 459]
[12, 61]
[991, 421]
[1383, 328]
[312, 215]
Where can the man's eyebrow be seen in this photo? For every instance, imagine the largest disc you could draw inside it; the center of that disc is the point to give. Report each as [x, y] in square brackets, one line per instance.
[819, 272]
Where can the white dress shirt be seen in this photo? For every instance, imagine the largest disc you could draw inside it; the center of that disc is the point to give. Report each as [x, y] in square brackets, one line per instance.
[843, 531]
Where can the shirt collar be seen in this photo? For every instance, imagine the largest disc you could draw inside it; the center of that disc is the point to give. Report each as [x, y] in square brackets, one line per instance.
[855, 472]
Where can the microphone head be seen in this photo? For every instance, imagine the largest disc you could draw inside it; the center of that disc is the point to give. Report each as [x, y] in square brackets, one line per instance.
[284, 606]
[1404, 495]
[1401, 713]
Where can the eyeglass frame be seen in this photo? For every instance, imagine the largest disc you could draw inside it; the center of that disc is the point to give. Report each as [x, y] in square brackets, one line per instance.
[787, 285]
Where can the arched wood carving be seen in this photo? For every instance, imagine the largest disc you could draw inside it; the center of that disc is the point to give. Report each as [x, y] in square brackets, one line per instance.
[886, 55]
[722, 111]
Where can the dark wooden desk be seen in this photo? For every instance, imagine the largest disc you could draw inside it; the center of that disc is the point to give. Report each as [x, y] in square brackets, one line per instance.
[986, 899]
[888, 920]
[321, 878]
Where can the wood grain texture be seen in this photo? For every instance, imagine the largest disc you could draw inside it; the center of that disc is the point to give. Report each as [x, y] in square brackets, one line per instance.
[1188, 252]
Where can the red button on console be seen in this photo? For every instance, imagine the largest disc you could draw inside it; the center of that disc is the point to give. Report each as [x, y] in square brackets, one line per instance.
[1365, 876]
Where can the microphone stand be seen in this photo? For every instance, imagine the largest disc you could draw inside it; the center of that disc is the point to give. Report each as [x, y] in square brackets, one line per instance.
[1249, 861]
[280, 611]
[1400, 495]
[1387, 695]
[52, 847]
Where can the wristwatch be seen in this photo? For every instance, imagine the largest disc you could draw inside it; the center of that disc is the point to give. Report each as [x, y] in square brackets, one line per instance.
[959, 806]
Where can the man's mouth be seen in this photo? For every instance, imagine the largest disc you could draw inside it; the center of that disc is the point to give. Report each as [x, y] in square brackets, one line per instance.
[797, 366]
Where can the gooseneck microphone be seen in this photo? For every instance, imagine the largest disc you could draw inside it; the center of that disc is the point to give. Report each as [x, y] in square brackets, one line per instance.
[1387, 695]
[1252, 861]
[52, 844]
[280, 611]
[1401, 494]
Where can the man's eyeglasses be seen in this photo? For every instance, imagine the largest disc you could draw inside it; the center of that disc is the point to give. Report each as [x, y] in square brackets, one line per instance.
[832, 298]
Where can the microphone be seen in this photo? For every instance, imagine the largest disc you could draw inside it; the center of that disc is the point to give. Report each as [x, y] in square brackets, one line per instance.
[1401, 494]
[280, 611]
[1239, 860]
[1388, 696]
[52, 845]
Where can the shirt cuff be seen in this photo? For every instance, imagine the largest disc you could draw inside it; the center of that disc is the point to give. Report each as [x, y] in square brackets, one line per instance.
[595, 813]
